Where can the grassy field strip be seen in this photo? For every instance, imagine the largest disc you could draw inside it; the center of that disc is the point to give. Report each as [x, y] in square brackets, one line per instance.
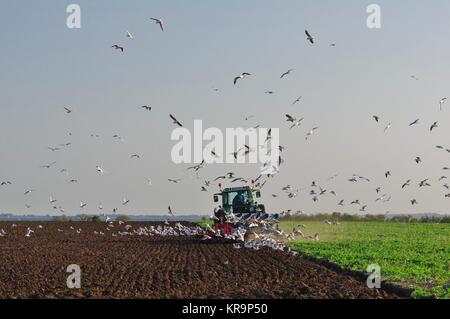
[414, 255]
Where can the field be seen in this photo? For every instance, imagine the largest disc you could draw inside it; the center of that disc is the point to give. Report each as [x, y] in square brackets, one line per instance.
[136, 266]
[413, 255]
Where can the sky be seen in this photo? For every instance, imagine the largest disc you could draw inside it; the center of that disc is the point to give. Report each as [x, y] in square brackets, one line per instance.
[45, 66]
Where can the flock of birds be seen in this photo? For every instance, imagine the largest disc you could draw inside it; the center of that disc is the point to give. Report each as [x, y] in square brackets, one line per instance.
[262, 231]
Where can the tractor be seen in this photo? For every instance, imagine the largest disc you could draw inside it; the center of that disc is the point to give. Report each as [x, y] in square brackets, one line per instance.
[241, 202]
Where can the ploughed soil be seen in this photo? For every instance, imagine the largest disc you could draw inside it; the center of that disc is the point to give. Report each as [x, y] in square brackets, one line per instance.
[157, 267]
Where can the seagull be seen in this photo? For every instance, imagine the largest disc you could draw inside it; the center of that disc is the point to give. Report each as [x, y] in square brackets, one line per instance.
[115, 46]
[376, 118]
[148, 108]
[48, 165]
[99, 169]
[5, 183]
[170, 211]
[406, 184]
[310, 133]
[414, 202]
[240, 77]
[441, 102]
[424, 183]
[297, 100]
[175, 121]
[435, 125]
[175, 181]
[387, 127]
[387, 174]
[414, 123]
[309, 37]
[149, 182]
[160, 22]
[52, 200]
[341, 202]
[297, 123]
[129, 35]
[82, 205]
[286, 73]
[135, 156]
[28, 191]
[68, 111]
[203, 189]
[418, 160]
[125, 201]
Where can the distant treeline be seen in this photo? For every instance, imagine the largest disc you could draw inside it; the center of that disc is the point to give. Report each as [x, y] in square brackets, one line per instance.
[368, 218]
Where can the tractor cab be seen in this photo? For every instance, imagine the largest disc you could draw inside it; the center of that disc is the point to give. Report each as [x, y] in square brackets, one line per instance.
[240, 200]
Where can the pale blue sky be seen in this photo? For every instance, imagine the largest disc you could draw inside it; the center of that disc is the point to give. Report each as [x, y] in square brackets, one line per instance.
[46, 66]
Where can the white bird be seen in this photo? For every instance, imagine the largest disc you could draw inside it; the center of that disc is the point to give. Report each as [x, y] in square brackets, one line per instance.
[310, 133]
[441, 102]
[99, 169]
[28, 191]
[240, 77]
[125, 202]
[52, 200]
[387, 127]
[82, 205]
[129, 35]
[160, 22]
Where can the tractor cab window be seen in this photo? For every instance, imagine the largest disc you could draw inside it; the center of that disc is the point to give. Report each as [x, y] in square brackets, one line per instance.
[236, 199]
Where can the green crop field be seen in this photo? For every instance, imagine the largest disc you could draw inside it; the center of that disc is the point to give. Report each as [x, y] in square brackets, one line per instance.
[412, 254]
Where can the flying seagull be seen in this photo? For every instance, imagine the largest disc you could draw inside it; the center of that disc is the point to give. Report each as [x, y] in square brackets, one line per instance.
[240, 77]
[286, 73]
[310, 133]
[414, 123]
[441, 102]
[160, 22]
[129, 35]
[175, 121]
[435, 125]
[48, 165]
[68, 111]
[99, 169]
[309, 37]
[297, 100]
[115, 46]
[148, 108]
[376, 118]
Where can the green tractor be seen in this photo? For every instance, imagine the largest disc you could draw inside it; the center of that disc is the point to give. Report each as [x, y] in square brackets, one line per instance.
[240, 201]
